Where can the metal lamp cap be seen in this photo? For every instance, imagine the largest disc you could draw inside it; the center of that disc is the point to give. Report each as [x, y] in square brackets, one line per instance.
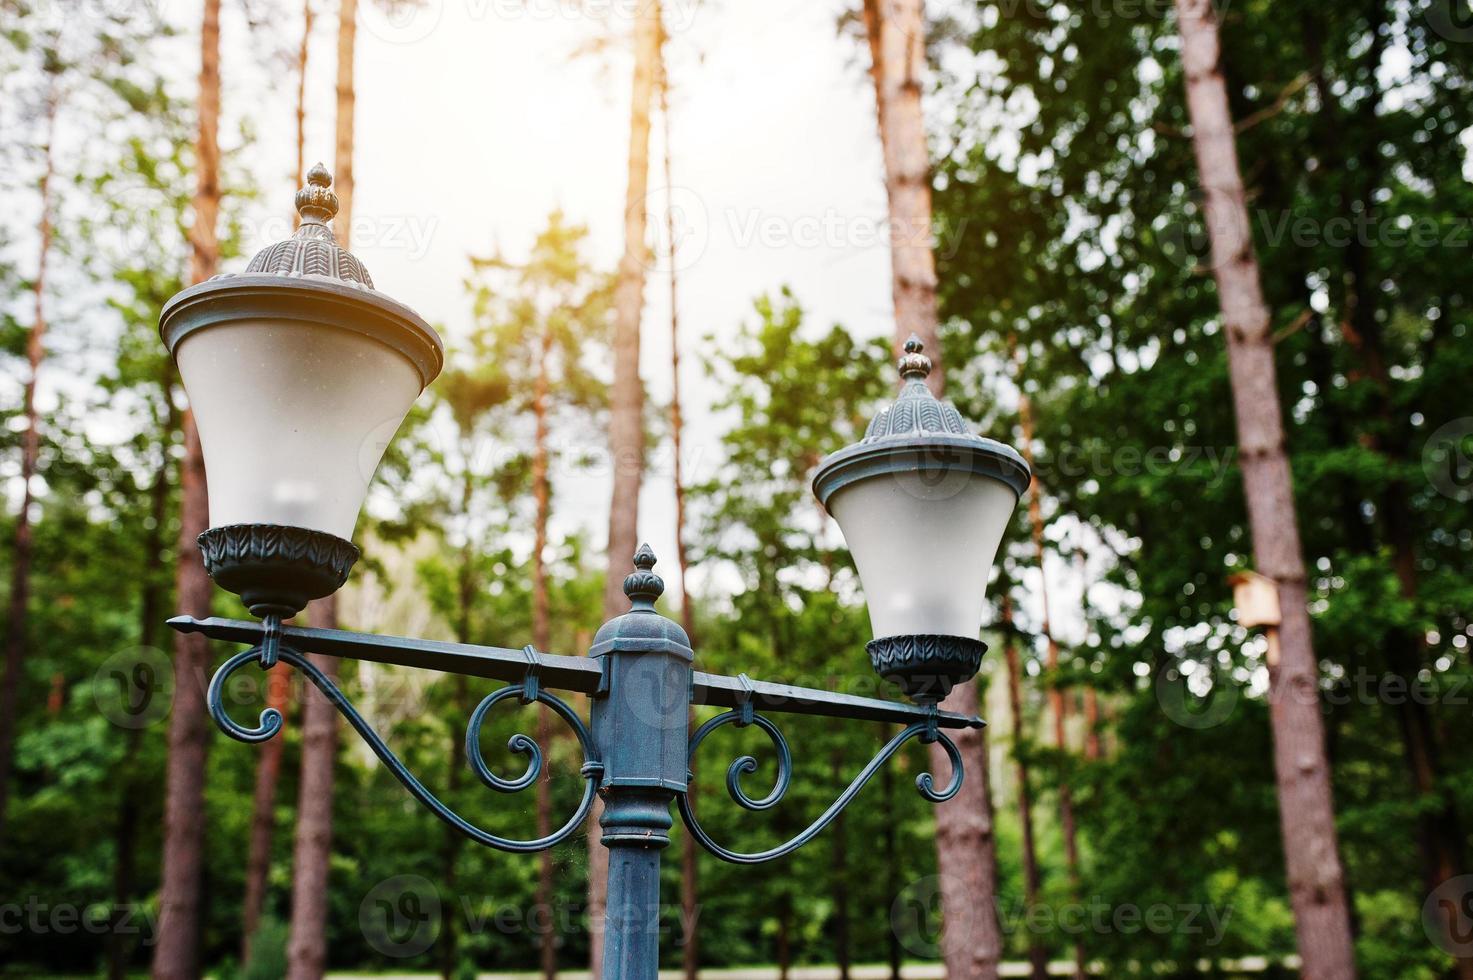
[311, 278]
[919, 432]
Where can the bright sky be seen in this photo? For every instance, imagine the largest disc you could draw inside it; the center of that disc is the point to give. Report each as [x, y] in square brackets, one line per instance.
[477, 117]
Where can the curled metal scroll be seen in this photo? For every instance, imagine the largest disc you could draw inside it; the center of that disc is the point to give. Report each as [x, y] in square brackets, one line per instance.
[744, 765]
[270, 724]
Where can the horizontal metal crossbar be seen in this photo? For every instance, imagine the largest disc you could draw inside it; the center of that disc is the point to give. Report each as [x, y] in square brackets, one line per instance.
[578, 674]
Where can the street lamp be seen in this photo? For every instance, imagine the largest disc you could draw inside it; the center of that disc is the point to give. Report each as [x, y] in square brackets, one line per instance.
[299, 371]
[923, 504]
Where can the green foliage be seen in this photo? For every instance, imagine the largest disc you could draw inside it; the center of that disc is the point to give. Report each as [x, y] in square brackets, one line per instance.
[268, 951]
[1073, 234]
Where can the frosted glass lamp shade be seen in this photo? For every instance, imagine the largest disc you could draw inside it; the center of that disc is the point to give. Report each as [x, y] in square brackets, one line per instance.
[293, 419]
[924, 548]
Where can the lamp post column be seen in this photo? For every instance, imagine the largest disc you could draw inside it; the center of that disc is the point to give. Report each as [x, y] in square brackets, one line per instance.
[639, 727]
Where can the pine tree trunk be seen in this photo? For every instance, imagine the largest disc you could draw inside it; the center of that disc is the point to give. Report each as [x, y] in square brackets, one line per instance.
[347, 101]
[263, 814]
[896, 30]
[1058, 704]
[542, 639]
[690, 948]
[1091, 724]
[303, 50]
[966, 852]
[307, 942]
[30, 453]
[312, 851]
[1306, 809]
[176, 956]
[626, 419]
[1037, 952]
[965, 846]
[278, 684]
[626, 410]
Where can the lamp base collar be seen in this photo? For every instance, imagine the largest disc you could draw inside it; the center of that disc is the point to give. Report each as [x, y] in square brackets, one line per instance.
[926, 665]
[276, 568]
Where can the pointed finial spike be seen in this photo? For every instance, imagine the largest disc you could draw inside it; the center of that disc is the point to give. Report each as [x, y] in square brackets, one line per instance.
[644, 558]
[319, 175]
[914, 364]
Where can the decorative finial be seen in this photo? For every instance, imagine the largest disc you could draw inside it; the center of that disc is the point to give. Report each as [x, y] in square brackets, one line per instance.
[316, 202]
[915, 364]
[643, 586]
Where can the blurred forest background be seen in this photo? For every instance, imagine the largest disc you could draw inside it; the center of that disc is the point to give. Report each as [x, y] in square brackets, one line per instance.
[1052, 241]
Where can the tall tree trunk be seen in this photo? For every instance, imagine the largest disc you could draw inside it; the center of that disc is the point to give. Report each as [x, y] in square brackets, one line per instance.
[1058, 703]
[1306, 809]
[303, 50]
[263, 814]
[626, 414]
[626, 419]
[1091, 724]
[965, 844]
[307, 942]
[966, 850]
[30, 453]
[347, 101]
[690, 951]
[1037, 952]
[312, 851]
[896, 30]
[542, 639]
[278, 684]
[176, 956]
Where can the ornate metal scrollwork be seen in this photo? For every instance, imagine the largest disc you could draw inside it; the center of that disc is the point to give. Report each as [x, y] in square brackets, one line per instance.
[744, 765]
[527, 692]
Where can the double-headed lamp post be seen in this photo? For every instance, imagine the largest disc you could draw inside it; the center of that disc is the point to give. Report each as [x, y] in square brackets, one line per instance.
[299, 372]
